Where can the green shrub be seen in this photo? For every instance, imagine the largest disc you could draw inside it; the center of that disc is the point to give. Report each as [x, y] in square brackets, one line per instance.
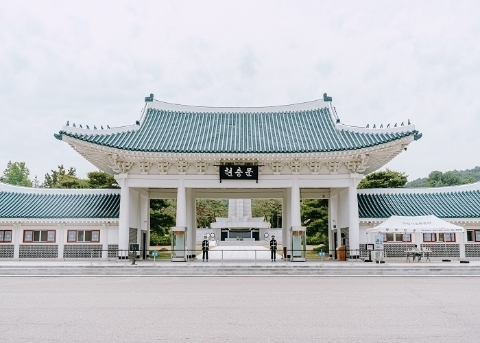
[314, 240]
[158, 239]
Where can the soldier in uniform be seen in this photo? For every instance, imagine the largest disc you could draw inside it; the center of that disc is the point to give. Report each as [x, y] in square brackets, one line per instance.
[205, 245]
[273, 249]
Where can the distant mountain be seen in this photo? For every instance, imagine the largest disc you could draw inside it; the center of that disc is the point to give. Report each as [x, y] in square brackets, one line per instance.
[449, 178]
[417, 183]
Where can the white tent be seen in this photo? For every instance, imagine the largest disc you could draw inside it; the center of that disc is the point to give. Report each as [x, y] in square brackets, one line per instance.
[421, 224]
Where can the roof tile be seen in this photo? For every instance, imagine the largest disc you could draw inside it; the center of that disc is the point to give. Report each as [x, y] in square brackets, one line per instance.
[301, 131]
[463, 204]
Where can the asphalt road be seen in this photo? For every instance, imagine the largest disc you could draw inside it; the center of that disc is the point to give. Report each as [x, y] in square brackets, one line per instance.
[239, 309]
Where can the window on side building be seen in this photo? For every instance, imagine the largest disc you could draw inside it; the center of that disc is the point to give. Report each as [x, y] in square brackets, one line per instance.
[83, 236]
[39, 236]
[389, 237]
[5, 236]
[446, 237]
[429, 237]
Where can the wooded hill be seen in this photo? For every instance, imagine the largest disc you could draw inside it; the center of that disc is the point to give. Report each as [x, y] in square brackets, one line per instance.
[449, 178]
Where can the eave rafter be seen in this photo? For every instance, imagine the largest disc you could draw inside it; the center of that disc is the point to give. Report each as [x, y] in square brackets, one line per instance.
[58, 221]
[371, 222]
[364, 161]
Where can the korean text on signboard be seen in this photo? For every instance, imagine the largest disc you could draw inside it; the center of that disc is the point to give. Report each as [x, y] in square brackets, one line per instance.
[231, 172]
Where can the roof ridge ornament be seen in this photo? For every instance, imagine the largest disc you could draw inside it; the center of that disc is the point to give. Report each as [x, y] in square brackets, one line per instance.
[333, 110]
[149, 98]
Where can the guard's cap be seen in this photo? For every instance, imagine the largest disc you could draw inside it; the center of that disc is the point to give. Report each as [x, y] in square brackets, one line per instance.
[273, 236]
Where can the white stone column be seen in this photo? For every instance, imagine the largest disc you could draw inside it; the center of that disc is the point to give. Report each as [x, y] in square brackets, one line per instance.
[181, 220]
[295, 219]
[104, 240]
[342, 215]
[148, 223]
[353, 221]
[190, 210]
[124, 220]
[135, 217]
[61, 239]
[462, 239]
[286, 223]
[333, 221]
[17, 238]
[295, 204]
[144, 221]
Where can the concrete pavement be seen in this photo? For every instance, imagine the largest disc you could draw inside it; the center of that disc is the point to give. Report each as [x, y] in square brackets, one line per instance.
[257, 309]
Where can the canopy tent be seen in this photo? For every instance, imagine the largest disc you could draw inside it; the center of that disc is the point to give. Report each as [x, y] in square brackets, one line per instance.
[421, 224]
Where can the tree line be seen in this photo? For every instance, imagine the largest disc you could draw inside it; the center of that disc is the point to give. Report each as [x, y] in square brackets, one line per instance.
[17, 173]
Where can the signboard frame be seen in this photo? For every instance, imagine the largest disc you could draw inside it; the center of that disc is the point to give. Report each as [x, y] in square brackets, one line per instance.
[238, 172]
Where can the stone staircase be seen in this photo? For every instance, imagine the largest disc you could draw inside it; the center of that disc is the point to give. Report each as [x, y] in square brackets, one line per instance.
[239, 268]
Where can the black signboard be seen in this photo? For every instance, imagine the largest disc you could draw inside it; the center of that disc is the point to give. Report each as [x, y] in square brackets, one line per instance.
[232, 172]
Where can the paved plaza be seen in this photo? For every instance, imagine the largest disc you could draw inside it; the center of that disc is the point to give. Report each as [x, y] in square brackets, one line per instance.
[236, 309]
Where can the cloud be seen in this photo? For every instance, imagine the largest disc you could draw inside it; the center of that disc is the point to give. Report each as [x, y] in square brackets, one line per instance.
[383, 62]
[247, 64]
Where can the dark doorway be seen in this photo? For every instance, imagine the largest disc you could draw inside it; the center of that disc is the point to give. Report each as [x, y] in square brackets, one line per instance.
[256, 234]
[144, 244]
[224, 234]
[335, 245]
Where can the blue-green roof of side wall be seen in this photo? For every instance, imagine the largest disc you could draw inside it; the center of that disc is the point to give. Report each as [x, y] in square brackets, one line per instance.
[55, 206]
[301, 131]
[461, 204]
[456, 204]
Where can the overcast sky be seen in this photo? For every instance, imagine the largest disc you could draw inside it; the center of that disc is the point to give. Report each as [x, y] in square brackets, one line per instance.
[93, 62]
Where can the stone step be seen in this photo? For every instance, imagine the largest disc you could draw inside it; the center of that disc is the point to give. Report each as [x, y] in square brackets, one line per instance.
[238, 270]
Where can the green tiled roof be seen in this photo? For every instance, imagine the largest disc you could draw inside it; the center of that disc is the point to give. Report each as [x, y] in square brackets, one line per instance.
[454, 203]
[53, 205]
[287, 129]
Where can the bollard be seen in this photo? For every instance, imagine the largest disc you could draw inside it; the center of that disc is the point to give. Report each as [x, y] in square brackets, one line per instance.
[255, 257]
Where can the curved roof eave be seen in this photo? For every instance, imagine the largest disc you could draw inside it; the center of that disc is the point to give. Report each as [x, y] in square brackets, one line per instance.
[112, 220]
[5, 187]
[449, 189]
[446, 202]
[22, 203]
[297, 128]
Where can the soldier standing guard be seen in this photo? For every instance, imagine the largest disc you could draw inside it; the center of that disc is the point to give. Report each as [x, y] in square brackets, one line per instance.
[205, 245]
[273, 249]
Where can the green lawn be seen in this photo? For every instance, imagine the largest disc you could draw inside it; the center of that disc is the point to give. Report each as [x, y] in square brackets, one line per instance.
[164, 252]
